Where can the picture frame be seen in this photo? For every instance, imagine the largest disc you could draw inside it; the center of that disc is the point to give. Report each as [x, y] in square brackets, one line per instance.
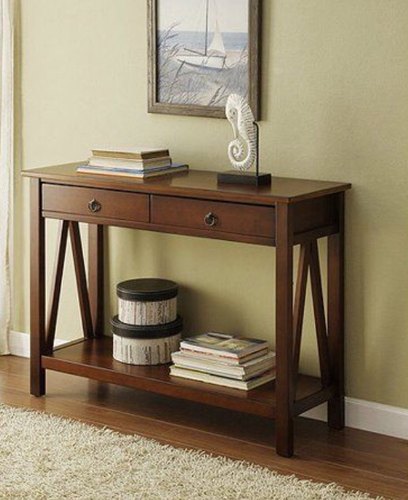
[191, 72]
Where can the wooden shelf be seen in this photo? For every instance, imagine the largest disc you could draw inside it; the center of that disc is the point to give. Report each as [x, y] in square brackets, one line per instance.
[93, 359]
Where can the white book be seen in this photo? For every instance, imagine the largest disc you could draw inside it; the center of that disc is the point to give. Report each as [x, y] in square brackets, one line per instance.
[132, 172]
[95, 161]
[132, 152]
[226, 382]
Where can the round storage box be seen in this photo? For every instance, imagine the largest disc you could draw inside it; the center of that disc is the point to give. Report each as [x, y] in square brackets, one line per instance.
[147, 301]
[151, 345]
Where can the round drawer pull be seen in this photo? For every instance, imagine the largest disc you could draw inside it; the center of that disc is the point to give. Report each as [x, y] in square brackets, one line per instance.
[94, 206]
[210, 220]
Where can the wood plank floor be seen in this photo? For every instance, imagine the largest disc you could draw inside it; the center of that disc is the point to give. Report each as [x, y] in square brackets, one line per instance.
[355, 459]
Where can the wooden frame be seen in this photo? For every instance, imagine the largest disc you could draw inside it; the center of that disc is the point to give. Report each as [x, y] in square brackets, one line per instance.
[254, 68]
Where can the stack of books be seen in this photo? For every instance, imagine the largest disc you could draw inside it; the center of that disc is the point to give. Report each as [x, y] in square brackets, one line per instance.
[219, 359]
[140, 163]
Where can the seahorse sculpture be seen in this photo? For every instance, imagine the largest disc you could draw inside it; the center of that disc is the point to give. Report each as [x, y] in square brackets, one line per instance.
[242, 150]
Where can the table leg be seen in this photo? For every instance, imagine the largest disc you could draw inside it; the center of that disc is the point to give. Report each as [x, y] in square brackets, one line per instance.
[96, 277]
[284, 331]
[336, 319]
[37, 290]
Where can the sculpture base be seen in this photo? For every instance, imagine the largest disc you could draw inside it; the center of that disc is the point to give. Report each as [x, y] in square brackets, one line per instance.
[249, 178]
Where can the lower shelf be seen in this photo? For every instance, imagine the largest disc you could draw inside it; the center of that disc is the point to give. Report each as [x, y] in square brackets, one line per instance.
[93, 359]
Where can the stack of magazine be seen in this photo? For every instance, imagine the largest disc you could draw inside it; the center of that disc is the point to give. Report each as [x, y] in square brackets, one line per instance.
[216, 358]
[141, 163]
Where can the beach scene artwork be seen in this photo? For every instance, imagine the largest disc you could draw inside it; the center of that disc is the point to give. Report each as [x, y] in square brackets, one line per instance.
[202, 51]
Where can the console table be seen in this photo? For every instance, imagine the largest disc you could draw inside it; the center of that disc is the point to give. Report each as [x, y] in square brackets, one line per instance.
[288, 213]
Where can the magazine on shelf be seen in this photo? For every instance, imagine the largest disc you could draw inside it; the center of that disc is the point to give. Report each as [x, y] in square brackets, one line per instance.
[226, 382]
[225, 360]
[228, 346]
[244, 371]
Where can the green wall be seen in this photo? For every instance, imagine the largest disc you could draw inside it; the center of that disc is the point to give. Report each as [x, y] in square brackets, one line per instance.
[335, 107]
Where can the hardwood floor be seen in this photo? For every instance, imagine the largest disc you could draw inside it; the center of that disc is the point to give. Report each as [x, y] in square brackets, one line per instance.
[355, 459]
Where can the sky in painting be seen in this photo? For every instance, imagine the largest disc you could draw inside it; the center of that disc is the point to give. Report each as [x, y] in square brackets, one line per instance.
[232, 15]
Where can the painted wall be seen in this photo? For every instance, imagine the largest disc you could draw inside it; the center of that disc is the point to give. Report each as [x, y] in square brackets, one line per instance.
[335, 106]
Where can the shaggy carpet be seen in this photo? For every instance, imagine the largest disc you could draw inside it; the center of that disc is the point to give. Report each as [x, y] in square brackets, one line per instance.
[46, 457]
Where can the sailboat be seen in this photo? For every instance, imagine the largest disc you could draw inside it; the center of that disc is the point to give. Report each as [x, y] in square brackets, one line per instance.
[214, 55]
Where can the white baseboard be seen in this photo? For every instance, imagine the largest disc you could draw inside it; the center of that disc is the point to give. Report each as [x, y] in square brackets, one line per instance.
[360, 414]
[369, 416]
[19, 344]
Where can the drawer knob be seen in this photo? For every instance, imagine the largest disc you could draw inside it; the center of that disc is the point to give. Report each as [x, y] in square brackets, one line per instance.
[94, 206]
[210, 220]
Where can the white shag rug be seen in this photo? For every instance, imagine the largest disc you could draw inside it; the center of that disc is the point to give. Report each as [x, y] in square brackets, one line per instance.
[47, 457]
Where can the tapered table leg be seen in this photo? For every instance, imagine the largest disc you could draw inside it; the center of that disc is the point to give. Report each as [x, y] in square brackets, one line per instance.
[336, 318]
[37, 290]
[284, 331]
[96, 277]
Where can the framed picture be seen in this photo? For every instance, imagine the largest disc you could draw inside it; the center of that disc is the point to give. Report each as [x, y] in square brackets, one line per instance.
[200, 52]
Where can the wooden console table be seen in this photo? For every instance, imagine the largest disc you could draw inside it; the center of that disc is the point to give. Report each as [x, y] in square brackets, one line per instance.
[291, 212]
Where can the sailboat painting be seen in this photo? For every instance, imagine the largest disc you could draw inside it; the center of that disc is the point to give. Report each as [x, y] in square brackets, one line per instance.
[202, 51]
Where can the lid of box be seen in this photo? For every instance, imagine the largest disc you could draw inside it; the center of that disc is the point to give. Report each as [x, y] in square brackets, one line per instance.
[147, 289]
[146, 332]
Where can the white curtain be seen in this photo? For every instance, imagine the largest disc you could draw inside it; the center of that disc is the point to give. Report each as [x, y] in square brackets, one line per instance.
[6, 164]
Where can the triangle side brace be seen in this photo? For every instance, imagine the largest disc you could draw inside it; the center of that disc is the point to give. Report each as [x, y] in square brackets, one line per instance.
[81, 280]
[56, 285]
[80, 273]
[309, 259]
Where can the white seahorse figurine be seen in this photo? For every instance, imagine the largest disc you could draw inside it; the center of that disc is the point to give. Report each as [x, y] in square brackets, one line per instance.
[242, 150]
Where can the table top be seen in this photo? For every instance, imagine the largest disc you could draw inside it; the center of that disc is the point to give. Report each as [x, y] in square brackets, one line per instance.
[194, 184]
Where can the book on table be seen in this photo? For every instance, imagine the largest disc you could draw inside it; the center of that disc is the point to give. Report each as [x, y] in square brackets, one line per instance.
[95, 161]
[132, 153]
[136, 162]
[143, 173]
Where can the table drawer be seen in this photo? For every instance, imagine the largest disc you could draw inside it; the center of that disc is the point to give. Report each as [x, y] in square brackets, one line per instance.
[98, 203]
[220, 217]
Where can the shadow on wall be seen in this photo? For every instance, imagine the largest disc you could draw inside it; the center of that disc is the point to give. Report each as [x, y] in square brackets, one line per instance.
[224, 286]
[19, 273]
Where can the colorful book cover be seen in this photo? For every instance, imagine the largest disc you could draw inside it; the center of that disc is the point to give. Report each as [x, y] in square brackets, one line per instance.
[227, 344]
